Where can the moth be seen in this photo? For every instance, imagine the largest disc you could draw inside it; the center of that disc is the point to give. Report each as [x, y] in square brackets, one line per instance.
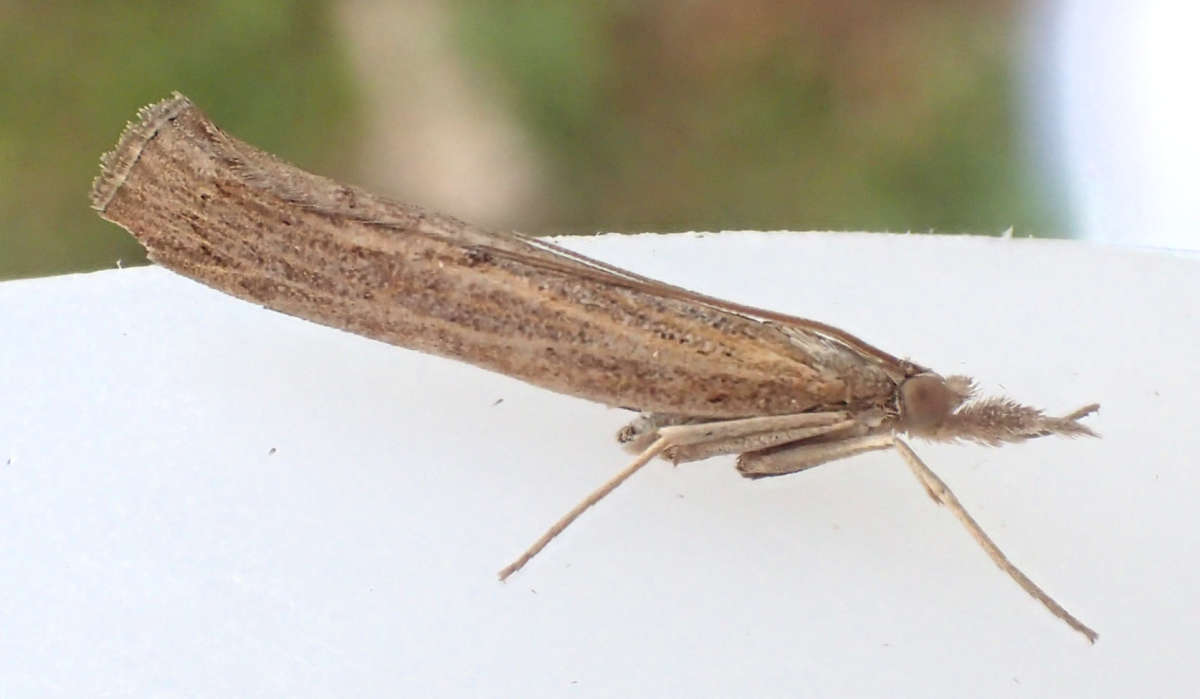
[708, 377]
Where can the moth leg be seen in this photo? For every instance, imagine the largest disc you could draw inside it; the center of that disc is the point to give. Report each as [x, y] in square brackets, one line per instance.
[668, 437]
[643, 430]
[758, 432]
[642, 459]
[793, 458]
[942, 493]
[753, 434]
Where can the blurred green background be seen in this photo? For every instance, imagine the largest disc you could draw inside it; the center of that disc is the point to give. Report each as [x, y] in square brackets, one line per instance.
[544, 117]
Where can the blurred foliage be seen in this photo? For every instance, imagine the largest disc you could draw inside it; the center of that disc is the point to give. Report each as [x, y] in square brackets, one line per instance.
[649, 115]
[75, 73]
[709, 115]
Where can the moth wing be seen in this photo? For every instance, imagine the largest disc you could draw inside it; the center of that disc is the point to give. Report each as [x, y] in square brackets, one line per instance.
[810, 336]
[805, 336]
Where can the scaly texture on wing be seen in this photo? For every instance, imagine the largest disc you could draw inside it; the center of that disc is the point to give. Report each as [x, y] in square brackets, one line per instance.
[247, 223]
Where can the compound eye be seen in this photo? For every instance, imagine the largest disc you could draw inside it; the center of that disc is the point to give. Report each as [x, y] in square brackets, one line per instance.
[927, 401]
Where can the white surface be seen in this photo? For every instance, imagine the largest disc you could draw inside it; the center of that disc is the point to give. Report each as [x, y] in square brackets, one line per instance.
[151, 544]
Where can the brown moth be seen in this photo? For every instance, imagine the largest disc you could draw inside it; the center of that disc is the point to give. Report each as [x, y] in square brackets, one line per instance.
[709, 377]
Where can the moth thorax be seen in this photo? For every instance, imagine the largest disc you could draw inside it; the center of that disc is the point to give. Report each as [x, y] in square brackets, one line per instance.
[926, 400]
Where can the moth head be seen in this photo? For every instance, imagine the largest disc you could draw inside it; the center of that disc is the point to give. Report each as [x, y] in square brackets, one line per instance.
[927, 400]
[941, 408]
